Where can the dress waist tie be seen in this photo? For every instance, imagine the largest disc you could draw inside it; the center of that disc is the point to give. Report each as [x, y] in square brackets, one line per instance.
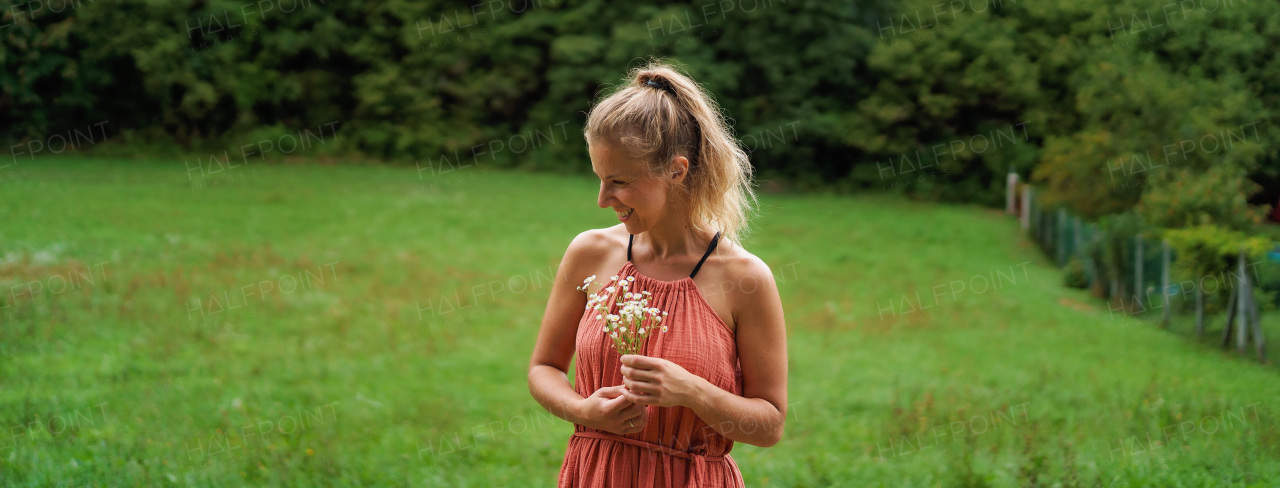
[699, 460]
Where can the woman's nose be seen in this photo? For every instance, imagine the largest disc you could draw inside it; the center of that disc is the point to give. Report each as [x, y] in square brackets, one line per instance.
[605, 197]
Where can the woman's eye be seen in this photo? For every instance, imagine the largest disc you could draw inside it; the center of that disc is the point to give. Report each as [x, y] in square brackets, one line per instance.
[617, 182]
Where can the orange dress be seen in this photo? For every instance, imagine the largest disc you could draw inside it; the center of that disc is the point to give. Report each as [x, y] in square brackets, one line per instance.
[676, 448]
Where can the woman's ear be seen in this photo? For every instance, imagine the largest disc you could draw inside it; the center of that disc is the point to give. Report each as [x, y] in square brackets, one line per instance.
[679, 169]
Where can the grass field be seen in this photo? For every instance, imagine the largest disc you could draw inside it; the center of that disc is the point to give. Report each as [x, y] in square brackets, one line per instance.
[363, 326]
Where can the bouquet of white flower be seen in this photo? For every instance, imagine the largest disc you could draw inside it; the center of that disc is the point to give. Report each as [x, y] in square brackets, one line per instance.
[634, 320]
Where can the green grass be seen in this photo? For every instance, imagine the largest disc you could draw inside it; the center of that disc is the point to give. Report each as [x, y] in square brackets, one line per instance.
[355, 385]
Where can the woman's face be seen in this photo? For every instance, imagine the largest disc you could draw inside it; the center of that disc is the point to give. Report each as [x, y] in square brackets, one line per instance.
[638, 198]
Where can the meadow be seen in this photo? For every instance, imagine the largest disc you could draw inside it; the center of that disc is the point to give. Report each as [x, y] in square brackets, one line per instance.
[360, 325]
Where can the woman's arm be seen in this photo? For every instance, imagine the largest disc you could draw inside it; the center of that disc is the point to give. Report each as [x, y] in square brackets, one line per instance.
[548, 378]
[758, 416]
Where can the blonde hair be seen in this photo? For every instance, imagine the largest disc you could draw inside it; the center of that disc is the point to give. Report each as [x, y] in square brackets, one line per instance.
[660, 114]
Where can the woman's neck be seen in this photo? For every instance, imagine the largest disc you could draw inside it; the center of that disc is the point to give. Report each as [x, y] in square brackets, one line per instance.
[674, 237]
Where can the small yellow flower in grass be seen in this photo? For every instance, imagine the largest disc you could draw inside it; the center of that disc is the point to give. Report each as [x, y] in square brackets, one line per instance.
[310, 452]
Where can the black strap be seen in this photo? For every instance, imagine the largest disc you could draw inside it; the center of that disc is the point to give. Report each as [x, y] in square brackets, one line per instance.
[712, 247]
[714, 241]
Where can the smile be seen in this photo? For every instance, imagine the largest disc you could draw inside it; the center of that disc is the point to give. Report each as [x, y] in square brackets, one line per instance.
[623, 216]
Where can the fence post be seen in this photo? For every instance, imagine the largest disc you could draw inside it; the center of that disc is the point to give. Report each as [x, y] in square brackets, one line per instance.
[1231, 318]
[1259, 342]
[1113, 273]
[1061, 241]
[1045, 223]
[1011, 193]
[1138, 289]
[1076, 233]
[1036, 226]
[1050, 229]
[1047, 217]
[1199, 312]
[1026, 207]
[1242, 306]
[1164, 281]
[1090, 267]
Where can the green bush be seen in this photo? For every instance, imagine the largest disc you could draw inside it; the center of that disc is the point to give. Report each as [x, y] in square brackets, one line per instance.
[1074, 276]
[1268, 285]
[871, 94]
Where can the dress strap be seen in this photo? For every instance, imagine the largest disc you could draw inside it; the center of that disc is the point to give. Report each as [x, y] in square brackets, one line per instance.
[714, 241]
[712, 247]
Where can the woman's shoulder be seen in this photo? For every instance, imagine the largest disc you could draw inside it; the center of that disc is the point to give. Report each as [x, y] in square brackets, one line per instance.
[737, 263]
[596, 244]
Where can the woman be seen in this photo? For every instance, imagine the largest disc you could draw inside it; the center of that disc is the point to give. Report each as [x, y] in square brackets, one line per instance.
[681, 187]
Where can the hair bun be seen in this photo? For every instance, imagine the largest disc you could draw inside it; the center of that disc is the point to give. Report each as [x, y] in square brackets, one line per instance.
[655, 81]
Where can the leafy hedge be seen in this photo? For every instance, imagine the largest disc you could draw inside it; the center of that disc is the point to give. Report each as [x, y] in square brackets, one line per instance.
[940, 99]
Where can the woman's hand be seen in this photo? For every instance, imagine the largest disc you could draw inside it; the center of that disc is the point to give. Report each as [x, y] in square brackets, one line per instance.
[608, 410]
[657, 381]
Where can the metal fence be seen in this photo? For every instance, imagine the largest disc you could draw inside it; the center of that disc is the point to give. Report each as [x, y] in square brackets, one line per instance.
[1134, 273]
